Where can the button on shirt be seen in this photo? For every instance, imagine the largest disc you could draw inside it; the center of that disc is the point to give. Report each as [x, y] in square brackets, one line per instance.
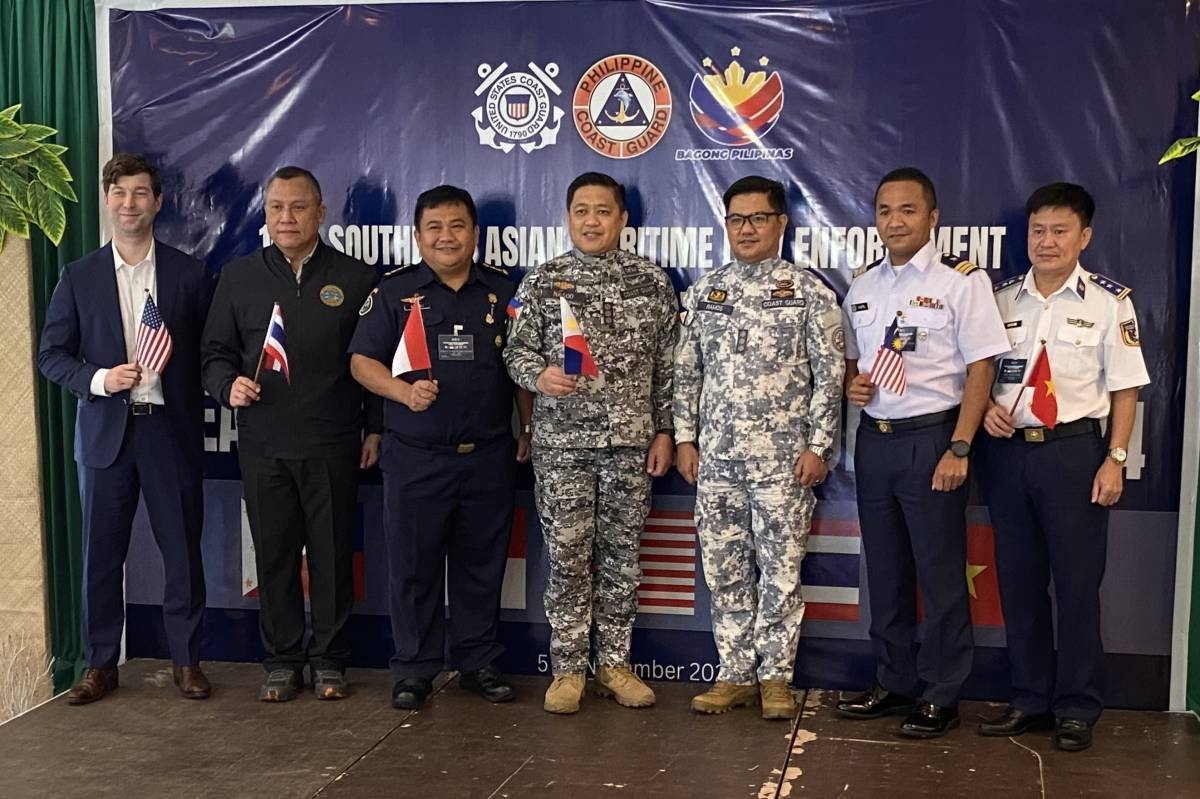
[949, 318]
[134, 282]
[1091, 341]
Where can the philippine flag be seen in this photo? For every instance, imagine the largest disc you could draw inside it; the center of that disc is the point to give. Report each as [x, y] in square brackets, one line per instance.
[413, 352]
[577, 358]
[275, 346]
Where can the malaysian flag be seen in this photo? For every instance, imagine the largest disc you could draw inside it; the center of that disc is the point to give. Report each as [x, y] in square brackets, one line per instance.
[888, 370]
[668, 560]
[153, 339]
[274, 355]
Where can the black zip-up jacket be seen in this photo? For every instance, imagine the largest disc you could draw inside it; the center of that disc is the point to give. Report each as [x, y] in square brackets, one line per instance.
[321, 412]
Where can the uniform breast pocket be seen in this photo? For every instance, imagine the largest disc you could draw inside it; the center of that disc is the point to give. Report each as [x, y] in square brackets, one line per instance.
[784, 343]
[1017, 337]
[1076, 348]
[931, 324]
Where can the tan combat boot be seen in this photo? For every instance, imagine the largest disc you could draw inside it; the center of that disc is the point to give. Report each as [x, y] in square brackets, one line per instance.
[564, 694]
[725, 696]
[624, 686]
[777, 700]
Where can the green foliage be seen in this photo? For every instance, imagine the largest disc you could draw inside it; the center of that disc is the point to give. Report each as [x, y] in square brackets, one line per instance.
[34, 182]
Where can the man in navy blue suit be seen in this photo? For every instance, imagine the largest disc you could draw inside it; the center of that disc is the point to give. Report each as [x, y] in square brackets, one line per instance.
[140, 429]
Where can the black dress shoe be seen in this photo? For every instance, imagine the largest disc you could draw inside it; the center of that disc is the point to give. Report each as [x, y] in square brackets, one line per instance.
[1072, 735]
[1014, 722]
[409, 694]
[875, 702]
[929, 721]
[488, 683]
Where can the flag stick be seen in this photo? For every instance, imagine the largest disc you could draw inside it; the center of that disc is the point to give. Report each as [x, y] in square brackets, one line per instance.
[1025, 385]
[258, 368]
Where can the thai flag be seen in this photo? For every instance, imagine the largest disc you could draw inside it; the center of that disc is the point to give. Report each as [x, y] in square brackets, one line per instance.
[577, 358]
[830, 571]
[888, 370]
[154, 345]
[667, 556]
[412, 354]
[275, 346]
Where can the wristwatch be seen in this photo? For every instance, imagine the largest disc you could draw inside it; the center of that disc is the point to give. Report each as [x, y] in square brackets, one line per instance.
[824, 453]
[526, 429]
[1118, 454]
[960, 448]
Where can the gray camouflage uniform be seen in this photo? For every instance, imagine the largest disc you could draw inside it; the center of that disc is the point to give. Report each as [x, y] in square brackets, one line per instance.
[758, 379]
[589, 448]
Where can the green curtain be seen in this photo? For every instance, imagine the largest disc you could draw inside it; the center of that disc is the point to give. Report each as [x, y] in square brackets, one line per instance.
[48, 64]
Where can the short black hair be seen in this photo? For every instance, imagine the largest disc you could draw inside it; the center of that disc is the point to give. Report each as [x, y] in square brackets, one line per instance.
[910, 173]
[291, 173]
[123, 165]
[1063, 195]
[444, 195]
[756, 184]
[596, 179]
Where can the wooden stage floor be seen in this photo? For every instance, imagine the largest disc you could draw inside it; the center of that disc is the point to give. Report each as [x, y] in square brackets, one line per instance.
[145, 741]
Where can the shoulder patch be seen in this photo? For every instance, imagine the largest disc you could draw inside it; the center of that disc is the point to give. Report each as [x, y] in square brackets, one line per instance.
[958, 264]
[862, 270]
[399, 270]
[1111, 286]
[493, 268]
[1007, 282]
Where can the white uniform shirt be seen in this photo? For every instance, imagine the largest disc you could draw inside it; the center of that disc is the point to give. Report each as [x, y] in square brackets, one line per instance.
[950, 321]
[1091, 338]
[133, 283]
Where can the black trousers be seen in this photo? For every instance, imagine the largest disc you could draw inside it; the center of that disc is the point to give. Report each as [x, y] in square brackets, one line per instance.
[1046, 526]
[914, 536]
[448, 520]
[293, 506]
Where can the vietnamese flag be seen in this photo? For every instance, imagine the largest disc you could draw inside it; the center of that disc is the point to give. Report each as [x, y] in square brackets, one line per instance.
[577, 358]
[413, 352]
[1044, 404]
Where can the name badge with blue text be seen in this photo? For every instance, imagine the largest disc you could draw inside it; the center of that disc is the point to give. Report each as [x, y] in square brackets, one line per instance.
[458, 347]
[1012, 370]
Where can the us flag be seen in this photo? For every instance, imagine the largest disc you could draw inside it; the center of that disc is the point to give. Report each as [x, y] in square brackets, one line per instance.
[888, 370]
[668, 559]
[154, 344]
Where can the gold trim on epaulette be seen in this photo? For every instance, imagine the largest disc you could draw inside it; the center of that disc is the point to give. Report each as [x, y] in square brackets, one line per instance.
[398, 270]
[966, 268]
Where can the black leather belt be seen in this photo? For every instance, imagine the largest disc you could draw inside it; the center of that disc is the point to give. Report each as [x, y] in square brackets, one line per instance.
[1079, 427]
[461, 448]
[144, 408]
[911, 423]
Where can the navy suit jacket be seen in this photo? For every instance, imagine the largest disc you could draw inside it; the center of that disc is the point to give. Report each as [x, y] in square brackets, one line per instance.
[83, 334]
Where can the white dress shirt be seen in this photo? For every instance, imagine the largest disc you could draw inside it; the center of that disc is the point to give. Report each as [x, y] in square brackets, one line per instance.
[134, 282]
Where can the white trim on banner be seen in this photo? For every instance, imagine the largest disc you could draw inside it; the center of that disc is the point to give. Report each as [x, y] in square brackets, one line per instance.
[1189, 473]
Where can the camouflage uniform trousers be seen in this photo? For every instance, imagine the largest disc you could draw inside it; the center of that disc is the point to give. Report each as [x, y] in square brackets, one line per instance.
[592, 504]
[747, 513]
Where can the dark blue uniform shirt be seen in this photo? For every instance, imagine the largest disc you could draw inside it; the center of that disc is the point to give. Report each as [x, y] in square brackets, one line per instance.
[465, 331]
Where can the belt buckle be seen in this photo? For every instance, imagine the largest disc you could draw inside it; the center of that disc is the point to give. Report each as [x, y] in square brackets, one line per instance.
[141, 408]
[464, 449]
[883, 425]
[1034, 434]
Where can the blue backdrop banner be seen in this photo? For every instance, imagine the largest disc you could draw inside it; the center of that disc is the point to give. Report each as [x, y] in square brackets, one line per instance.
[677, 100]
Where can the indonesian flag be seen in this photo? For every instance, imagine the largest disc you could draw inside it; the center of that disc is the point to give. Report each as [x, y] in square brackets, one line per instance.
[413, 353]
[275, 346]
[577, 358]
[1044, 404]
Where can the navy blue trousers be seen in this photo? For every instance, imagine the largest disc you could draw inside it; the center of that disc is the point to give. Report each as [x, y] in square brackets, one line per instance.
[914, 536]
[172, 487]
[447, 522]
[1046, 526]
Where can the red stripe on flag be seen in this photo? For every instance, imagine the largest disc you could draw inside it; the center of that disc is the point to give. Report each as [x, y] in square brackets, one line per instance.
[656, 513]
[663, 528]
[830, 611]
[667, 603]
[842, 527]
[669, 558]
[656, 542]
[689, 572]
[667, 587]
[518, 543]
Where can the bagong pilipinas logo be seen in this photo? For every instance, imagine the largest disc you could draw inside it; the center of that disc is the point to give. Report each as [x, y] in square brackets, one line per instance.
[517, 108]
[735, 108]
[622, 106]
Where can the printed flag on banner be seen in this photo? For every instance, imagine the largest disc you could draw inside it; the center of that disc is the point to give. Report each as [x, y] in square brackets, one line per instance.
[830, 569]
[154, 345]
[512, 590]
[888, 370]
[983, 589]
[1044, 404]
[668, 559]
[275, 346]
[577, 358]
[357, 563]
[412, 354]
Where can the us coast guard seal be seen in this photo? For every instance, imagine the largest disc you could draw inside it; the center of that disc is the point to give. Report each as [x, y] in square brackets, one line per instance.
[517, 109]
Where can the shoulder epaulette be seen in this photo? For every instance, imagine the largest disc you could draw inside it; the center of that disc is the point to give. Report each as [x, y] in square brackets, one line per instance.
[862, 270]
[1010, 281]
[1111, 286]
[493, 268]
[959, 264]
[399, 270]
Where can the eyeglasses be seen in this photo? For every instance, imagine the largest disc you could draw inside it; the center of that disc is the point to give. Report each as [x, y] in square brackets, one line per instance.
[758, 219]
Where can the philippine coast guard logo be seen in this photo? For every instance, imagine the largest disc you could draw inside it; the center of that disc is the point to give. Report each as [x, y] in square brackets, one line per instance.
[735, 107]
[517, 109]
[622, 106]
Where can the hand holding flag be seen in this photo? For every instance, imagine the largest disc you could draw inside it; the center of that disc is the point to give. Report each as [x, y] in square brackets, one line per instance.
[1044, 404]
[154, 345]
[412, 354]
[274, 351]
[577, 358]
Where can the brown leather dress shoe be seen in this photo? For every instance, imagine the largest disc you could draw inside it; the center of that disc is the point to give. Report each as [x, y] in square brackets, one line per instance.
[192, 682]
[92, 686]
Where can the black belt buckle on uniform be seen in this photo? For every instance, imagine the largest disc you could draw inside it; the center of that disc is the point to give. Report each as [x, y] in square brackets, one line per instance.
[1079, 427]
[465, 449]
[1034, 434]
[141, 408]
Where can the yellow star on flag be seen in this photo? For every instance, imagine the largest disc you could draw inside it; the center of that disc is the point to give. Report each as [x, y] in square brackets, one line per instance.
[1049, 387]
[973, 571]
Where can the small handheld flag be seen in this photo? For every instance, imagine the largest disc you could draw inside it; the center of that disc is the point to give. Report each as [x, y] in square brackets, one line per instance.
[412, 353]
[274, 351]
[577, 358]
[1044, 404]
[888, 370]
[154, 345]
